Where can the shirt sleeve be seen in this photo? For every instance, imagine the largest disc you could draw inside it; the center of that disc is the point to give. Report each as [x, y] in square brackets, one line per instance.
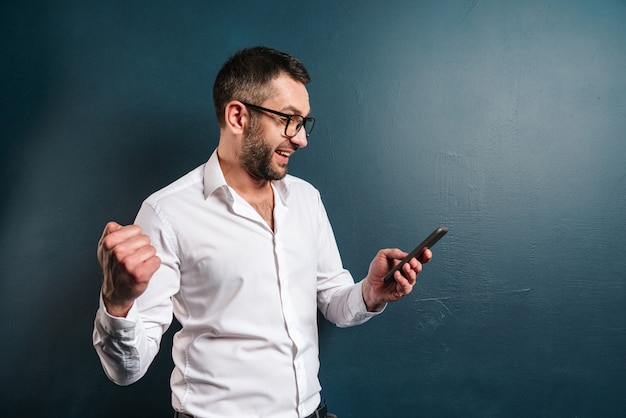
[127, 346]
[339, 299]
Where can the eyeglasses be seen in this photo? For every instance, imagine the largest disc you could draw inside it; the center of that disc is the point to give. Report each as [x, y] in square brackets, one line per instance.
[293, 123]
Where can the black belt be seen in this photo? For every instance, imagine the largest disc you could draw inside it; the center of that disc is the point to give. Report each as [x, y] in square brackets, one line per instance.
[320, 412]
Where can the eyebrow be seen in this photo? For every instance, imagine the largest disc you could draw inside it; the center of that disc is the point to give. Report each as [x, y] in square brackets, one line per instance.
[293, 109]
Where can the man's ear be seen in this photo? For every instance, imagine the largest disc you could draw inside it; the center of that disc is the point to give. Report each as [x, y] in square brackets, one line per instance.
[237, 117]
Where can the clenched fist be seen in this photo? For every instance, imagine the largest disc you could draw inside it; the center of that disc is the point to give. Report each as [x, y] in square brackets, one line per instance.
[128, 262]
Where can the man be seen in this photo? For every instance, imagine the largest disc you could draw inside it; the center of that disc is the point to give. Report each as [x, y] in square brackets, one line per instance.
[243, 255]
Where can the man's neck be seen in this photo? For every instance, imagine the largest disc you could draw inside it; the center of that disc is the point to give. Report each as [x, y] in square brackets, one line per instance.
[241, 181]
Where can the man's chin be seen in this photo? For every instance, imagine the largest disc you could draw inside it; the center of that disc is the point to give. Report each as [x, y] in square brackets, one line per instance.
[278, 173]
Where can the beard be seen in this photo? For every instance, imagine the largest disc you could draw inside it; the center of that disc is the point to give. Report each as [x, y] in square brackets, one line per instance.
[257, 156]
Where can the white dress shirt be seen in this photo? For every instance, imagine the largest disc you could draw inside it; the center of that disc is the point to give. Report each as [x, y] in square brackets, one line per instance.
[246, 297]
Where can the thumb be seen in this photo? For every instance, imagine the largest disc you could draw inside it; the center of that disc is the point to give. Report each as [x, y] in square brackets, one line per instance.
[111, 227]
[108, 229]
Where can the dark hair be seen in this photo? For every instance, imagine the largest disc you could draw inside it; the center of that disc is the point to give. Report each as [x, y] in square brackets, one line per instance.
[248, 74]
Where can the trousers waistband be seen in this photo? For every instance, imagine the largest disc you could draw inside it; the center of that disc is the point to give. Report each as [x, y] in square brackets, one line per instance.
[320, 412]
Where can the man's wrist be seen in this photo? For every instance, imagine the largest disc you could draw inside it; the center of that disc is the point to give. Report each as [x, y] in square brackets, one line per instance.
[370, 303]
[115, 309]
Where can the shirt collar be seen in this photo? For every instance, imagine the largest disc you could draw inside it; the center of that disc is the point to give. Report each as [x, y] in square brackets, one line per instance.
[214, 180]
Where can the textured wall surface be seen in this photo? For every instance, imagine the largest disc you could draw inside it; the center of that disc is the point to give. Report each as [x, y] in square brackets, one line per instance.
[503, 120]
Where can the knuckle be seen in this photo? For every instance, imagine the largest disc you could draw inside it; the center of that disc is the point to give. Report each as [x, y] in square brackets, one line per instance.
[107, 242]
[117, 252]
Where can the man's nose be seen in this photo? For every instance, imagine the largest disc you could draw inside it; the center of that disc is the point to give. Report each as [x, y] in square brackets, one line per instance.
[300, 139]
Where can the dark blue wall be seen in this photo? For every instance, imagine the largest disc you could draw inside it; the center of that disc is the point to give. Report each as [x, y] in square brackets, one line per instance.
[503, 120]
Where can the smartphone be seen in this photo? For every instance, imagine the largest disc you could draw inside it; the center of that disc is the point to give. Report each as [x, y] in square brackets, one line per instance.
[427, 243]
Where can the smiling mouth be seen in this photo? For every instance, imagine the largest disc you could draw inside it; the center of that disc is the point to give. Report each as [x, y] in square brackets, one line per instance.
[283, 156]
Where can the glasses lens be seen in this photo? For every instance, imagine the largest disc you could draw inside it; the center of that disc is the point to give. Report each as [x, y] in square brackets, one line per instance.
[294, 124]
[308, 125]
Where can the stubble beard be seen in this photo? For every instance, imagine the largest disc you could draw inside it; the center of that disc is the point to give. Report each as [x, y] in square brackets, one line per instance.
[257, 156]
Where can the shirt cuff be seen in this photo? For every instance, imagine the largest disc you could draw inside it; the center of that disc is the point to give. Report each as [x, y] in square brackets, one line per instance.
[358, 304]
[116, 327]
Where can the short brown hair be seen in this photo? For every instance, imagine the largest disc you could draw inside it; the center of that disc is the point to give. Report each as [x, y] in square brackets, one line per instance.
[247, 75]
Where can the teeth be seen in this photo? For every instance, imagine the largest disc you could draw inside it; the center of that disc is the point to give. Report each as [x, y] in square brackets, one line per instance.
[284, 154]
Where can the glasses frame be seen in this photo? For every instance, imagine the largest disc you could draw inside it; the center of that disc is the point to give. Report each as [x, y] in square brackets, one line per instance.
[305, 120]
